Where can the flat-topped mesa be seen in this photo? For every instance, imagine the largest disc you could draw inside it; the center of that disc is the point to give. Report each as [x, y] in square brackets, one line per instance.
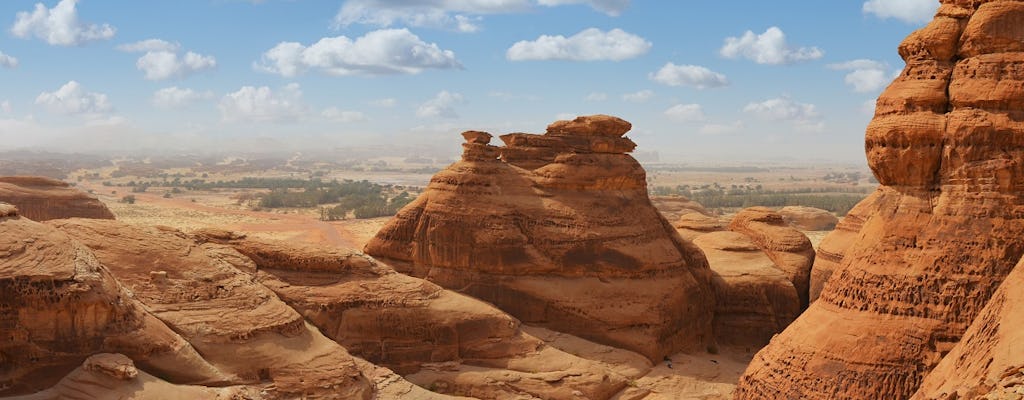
[42, 199]
[925, 252]
[560, 224]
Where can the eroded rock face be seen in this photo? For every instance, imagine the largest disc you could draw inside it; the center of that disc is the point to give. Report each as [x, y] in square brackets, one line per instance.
[988, 362]
[939, 235]
[42, 199]
[552, 230]
[59, 305]
[788, 248]
[239, 326]
[809, 218]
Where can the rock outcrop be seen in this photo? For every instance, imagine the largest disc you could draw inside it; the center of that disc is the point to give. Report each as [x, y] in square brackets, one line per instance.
[788, 248]
[59, 305]
[988, 362]
[405, 323]
[693, 224]
[549, 228]
[809, 218]
[239, 326]
[42, 199]
[942, 231]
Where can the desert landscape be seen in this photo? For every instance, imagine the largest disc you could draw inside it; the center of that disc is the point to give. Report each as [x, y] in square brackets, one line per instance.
[566, 262]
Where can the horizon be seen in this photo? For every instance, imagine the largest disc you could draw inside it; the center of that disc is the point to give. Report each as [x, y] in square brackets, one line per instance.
[699, 82]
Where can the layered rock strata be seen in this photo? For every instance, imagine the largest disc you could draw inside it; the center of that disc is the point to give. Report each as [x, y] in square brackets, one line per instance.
[942, 231]
[548, 228]
[42, 199]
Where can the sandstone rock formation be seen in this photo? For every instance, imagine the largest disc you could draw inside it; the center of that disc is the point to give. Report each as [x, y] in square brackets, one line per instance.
[693, 224]
[754, 298]
[939, 235]
[809, 218]
[833, 247]
[988, 361]
[788, 248]
[673, 207]
[59, 305]
[240, 327]
[551, 231]
[42, 199]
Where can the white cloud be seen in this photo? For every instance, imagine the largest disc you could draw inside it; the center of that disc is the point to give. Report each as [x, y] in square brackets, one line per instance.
[865, 75]
[782, 109]
[686, 113]
[596, 96]
[457, 15]
[345, 116]
[59, 26]
[261, 104]
[803, 116]
[149, 45]
[386, 51]
[589, 45]
[442, 105]
[769, 47]
[909, 11]
[638, 97]
[163, 65]
[175, 97]
[7, 61]
[688, 75]
[386, 103]
[611, 7]
[73, 99]
[721, 129]
[5, 106]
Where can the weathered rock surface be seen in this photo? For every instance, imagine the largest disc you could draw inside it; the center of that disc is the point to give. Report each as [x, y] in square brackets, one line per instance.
[788, 248]
[809, 218]
[59, 305]
[693, 224]
[939, 235]
[42, 199]
[833, 247]
[673, 207]
[754, 298]
[552, 230]
[107, 376]
[239, 326]
[988, 361]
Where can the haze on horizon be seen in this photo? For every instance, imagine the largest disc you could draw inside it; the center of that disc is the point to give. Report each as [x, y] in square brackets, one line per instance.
[725, 80]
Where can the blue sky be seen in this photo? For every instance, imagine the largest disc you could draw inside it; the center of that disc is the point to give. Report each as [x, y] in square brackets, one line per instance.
[723, 80]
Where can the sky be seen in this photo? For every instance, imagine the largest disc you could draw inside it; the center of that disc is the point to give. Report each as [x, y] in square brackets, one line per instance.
[700, 81]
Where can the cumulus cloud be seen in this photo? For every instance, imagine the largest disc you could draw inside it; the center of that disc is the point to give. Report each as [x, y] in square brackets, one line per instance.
[442, 105]
[613, 8]
[73, 99]
[909, 11]
[769, 47]
[803, 116]
[381, 52]
[345, 116]
[865, 76]
[721, 129]
[163, 65]
[59, 26]
[175, 97]
[163, 61]
[596, 96]
[638, 97]
[589, 45]
[686, 113]
[457, 15]
[149, 45]
[688, 75]
[261, 104]
[7, 61]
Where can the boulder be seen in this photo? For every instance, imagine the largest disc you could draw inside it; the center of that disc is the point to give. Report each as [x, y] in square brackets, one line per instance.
[809, 218]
